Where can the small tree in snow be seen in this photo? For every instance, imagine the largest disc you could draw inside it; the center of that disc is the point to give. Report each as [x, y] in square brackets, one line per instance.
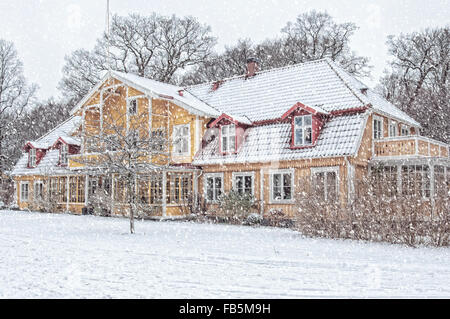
[125, 148]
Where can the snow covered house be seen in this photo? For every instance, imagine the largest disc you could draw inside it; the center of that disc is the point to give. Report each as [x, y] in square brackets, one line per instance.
[261, 133]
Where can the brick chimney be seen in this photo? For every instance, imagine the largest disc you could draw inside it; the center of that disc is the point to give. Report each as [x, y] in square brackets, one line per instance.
[252, 67]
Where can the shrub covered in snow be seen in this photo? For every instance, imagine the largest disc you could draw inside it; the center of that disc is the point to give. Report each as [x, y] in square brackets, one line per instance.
[405, 219]
[237, 205]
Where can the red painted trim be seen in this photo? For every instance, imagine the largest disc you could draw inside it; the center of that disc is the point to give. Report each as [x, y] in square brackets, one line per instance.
[353, 110]
[302, 106]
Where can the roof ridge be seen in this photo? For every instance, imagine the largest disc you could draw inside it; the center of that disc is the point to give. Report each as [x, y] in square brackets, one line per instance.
[332, 66]
[259, 72]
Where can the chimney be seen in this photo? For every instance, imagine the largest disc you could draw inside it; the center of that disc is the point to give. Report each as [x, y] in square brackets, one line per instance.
[252, 67]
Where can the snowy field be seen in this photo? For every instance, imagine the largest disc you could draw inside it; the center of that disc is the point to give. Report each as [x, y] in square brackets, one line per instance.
[65, 256]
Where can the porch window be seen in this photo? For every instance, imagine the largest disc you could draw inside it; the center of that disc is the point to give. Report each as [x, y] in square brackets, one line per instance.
[385, 179]
[213, 184]
[303, 130]
[281, 186]
[80, 189]
[62, 191]
[63, 155]
[143, 190]
[92, 185]
[377, 127]
[243, 183]
[178, 188]
[393, 129]
[326, 182]
[53, 188]
[228, 133]
[24, 191]
[38, 191]
[156, 188]
[73, 189]
[32, 157]
[416, 180]
[181, 139]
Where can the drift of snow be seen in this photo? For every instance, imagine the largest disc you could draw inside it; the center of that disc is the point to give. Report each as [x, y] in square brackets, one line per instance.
[67, 256]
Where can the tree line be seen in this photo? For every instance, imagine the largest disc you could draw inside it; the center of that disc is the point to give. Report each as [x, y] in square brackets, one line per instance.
[182, 51]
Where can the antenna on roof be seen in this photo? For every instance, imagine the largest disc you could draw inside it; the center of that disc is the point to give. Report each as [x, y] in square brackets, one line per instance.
[108, 34]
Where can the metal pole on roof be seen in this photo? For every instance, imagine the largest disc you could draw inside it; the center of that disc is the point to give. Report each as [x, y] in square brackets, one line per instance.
[108, 35]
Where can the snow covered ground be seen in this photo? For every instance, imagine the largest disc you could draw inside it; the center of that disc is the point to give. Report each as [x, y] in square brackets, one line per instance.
[65, 256]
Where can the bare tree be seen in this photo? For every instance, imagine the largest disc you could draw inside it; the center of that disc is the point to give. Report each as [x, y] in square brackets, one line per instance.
[419, 77]
[314, 35]
[15, 96]
[127, 151]
[154, 46]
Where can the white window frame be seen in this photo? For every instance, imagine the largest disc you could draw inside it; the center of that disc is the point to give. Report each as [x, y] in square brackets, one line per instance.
[129, 101]
[205, 185]
[32, 157]
[41, 192]
[393, 124]
[381, 120]
[335, 169]
[63, 155]
[303, 127]
[231, 135]
[22, 198]
[272, 200]
[176, 143]
[243, 175]
[404, 127]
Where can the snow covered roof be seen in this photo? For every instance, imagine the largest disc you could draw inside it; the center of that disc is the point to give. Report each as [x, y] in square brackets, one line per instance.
[47, 166]
[339, 137]
[160, 90]
[63, 130]
[320, 84]
[49, 162]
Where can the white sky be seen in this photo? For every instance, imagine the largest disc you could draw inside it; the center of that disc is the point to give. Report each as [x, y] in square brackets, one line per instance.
[44, 31]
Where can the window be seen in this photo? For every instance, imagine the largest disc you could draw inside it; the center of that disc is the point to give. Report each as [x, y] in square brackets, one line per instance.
[53, 188]
[24, 191]
[32, 157]
[132, 107]
[243, 183]
[73, 189]
[393, 129]
[213, 186]
[156, 188]
[377, 127]
[416, 180]
[38, 190]
[62, 189]
[92, 185]
[143, 190]
[228, 133]
[325, 182]
[178, 188]
[303, 130]
[159, 141]
[281, 186]
[181, 139]
[63, 154]
[404, 131]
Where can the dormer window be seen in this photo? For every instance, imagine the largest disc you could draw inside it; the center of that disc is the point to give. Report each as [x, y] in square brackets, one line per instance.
[228, 138]
[63, 159]
[303, 130]
[32, 157]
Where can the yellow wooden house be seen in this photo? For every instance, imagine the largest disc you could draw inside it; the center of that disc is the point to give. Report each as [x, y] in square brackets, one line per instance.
[261, 133]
